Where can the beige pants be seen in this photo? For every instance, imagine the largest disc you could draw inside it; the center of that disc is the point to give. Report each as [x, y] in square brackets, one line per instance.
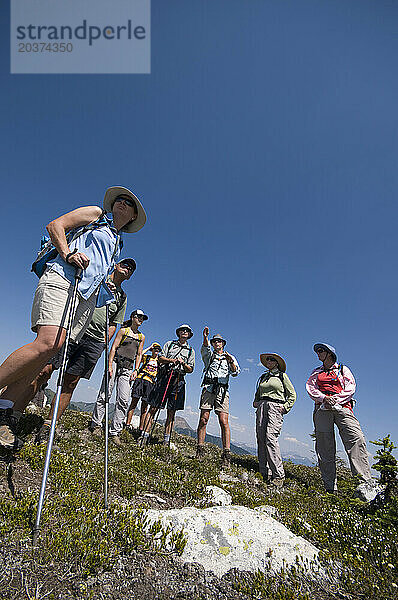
[352, 438]
[269, 420]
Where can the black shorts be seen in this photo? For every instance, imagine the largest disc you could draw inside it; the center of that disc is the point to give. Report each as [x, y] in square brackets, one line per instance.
[141, 389]
[174, 398]
[81, 358]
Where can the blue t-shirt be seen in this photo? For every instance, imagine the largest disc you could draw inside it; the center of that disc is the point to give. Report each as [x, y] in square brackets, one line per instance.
[102, 247]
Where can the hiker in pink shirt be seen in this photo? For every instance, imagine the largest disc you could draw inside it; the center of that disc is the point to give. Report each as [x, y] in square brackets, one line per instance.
[332, 387]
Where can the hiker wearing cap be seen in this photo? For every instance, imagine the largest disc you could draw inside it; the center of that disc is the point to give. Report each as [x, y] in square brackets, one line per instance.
[274, 398]
[176, 360]
[124, 358]
[144, 384]
[83, 356]
[89, 239]
[332, 387]
[218, 366]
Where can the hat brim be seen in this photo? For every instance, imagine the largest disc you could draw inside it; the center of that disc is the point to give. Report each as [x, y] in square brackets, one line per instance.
[279, 360]
[190, 331]
[318, 346]
[218, 340]
[110, 196]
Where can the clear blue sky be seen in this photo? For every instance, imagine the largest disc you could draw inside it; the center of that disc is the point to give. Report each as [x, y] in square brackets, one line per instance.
[264, 148]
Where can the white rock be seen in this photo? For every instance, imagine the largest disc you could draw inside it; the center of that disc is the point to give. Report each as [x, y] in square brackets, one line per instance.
[222, 538]
[217, 496]
[367, 491]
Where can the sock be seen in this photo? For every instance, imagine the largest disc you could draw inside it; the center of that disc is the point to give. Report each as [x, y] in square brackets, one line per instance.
[16, 414]
[6, 403]
[145, 434]
[167, 437]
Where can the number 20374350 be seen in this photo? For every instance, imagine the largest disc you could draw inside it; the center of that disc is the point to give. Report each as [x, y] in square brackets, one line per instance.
[44, 47]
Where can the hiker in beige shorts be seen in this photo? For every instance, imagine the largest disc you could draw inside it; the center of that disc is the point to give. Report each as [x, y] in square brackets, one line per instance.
[219, 365]
[274, 398]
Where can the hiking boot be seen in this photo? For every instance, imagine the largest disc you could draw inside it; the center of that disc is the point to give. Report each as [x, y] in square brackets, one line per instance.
[115, 439]
[226, 458]
[96, 431]
[8, 430]
[200, 452]
[278, 482]
[44, 434]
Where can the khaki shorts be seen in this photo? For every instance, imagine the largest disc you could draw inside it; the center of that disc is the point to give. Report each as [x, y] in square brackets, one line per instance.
[52, 303]
[209, 401]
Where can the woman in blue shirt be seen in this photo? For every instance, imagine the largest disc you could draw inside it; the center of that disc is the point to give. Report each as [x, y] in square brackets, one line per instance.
[95, 251]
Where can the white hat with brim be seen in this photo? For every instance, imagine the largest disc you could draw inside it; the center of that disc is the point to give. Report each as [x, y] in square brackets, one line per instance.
[327, 347]
[184, 326]
[218, 338]
[110, 196]
[279, 360]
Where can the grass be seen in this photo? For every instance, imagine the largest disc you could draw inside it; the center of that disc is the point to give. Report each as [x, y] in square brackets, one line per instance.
[359, 546]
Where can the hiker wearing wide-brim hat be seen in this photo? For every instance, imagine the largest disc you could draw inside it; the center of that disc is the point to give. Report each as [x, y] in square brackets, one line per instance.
[117, 193]
[88, 239]
[176, 360]
[181, 328]
[274, 398]
[332, 387]
[218, 366]
[281, 363]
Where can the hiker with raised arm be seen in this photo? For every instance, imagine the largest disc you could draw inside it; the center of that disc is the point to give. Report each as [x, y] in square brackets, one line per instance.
[332, 388]
[176, 360]
[143, 385]
[124, 360]
[88, 239]
[274, 398]
[83, 356]
[218, 366]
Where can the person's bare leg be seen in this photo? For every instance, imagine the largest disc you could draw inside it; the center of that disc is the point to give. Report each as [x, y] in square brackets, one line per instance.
[22, 366]
[29, 392]
[201, 431]
[225, 430]
[169, 421]
[133, 405]
[144, 409]
[69, 386]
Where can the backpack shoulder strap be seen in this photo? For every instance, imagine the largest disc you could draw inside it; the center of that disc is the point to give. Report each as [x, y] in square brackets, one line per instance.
[281, 377]
[125, 335]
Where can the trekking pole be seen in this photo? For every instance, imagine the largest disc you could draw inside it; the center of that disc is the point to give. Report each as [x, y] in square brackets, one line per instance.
[60, 382]
[161, 406]
[106, 383]
[174, 412]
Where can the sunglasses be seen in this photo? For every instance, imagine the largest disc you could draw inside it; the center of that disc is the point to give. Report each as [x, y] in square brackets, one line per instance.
[127, 201]
[320, 350]
[271, 359]
[128, 266]
[139, 317]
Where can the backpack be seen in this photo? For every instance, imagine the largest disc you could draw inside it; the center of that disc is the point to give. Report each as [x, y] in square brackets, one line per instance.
[48, 251]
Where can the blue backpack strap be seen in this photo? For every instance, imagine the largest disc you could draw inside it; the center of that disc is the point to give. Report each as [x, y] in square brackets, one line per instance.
[49, 252]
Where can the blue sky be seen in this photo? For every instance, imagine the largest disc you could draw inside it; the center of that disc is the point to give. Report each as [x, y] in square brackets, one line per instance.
[264, 148]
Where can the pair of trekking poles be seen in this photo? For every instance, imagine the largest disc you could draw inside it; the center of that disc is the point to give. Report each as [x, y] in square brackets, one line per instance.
[143, 441]
[60, 382]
